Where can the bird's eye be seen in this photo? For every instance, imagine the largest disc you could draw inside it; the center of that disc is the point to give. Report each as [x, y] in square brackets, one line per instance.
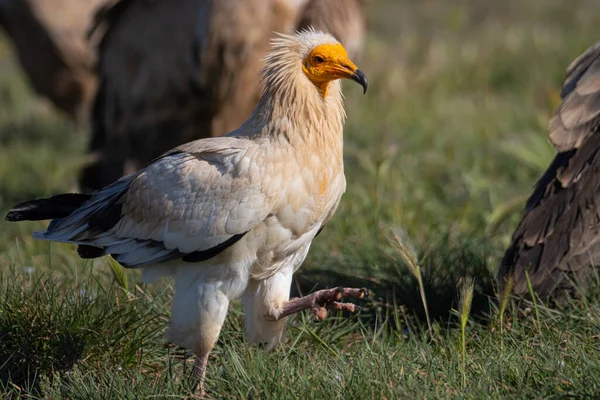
[318, 60]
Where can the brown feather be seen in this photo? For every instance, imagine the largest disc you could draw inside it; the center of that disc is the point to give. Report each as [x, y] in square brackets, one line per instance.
[53, 50]
[172, 72]
[558, 239]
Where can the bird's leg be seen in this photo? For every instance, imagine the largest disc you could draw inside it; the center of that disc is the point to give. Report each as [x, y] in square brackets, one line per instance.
[322, 300]
[199, 373]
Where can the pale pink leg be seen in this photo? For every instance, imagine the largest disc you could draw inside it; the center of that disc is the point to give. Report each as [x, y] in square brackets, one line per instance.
[199, 373]
[322, 300]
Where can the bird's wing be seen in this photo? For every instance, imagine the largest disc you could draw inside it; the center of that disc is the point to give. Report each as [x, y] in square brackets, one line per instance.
[187, 67]
[559, 231]
[52, 48]
[191, 203]
[579, 112]
[559, 234]
[146, 87]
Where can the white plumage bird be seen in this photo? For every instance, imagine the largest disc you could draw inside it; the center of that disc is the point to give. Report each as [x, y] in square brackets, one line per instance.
[233, 216]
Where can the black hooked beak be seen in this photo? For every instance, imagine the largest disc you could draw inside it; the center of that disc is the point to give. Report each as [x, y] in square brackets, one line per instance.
[361, 79]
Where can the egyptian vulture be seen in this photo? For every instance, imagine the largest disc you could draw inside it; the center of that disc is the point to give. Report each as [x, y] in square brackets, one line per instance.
[50, 39]
[558, 239]
[344, 19]
[233, 216]
[180, 70]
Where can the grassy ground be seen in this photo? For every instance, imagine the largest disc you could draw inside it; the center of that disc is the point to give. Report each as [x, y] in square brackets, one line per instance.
[452, 130]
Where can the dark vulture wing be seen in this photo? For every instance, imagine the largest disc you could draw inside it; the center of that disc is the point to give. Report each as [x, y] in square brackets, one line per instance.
[558, 239]
[577, 117]
[172, 71]
[145, 102]
[50, 40]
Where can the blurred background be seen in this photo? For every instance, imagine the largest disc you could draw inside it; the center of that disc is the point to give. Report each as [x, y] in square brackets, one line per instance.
[446, 145]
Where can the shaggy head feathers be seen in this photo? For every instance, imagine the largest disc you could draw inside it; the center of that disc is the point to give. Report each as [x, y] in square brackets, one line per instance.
[288, 52]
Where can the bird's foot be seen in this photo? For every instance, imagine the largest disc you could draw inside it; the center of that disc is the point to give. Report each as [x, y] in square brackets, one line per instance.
[323, 300]
[199, 374]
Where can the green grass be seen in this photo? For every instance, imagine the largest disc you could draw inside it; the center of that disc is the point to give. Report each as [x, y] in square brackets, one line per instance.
[450, 135]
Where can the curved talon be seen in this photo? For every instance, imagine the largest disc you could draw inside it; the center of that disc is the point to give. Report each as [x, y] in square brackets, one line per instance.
[350, 307]
[322, 300]
[340, 293]
[320, 313]
[356, 293]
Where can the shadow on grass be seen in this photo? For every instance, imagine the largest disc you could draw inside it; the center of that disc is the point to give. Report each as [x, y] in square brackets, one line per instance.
[48, 326]
[37, 334]
[444, 267]
[28, 355]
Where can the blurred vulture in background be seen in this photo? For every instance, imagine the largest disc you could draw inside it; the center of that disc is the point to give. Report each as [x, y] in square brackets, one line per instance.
[174, 71]
[558, 239]
[50, 38]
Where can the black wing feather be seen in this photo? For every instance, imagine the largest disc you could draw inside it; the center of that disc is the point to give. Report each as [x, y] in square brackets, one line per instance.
[58, 206]
[204, 255]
